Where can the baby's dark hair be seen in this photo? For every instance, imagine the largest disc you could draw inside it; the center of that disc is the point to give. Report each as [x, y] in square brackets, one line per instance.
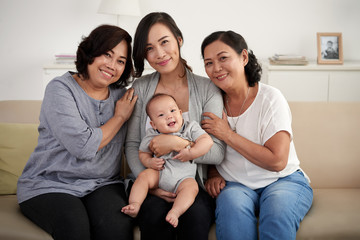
[157, 95]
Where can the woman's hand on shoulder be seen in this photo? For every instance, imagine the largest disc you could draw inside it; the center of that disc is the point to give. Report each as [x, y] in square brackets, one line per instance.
[125, 105]
[167, 196]
[123, 109]
[218, 127]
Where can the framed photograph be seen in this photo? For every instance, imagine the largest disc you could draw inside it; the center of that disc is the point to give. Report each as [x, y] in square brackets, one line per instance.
[330, 50]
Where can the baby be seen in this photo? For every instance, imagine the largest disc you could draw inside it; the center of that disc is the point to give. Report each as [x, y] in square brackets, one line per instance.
[178, 173]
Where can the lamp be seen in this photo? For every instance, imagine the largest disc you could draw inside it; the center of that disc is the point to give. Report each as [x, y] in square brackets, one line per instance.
[120, 7]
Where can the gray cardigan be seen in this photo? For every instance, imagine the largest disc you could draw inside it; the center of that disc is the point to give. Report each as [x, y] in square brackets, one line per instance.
[204, 96]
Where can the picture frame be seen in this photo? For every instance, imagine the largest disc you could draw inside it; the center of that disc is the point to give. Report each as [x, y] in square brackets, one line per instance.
[330, 48]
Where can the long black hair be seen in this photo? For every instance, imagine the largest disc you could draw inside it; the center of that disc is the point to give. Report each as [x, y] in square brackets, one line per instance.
[141, 38]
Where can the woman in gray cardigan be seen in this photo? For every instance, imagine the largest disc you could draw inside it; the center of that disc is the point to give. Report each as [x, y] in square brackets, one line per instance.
[158, 40]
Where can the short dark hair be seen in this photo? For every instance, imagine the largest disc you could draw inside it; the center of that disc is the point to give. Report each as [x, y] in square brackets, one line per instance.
[141, 37]
[237, 42]
[155, 96]
[101, 40]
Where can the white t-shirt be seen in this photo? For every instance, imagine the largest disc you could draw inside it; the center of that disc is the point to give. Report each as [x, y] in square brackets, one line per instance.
[267, 115]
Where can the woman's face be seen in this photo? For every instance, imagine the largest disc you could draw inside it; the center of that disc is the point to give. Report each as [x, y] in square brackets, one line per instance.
[223, 65]
[162, 51]
[108, 68]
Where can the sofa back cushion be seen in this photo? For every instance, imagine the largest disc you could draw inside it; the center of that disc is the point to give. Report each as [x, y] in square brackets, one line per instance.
[19, 120]
[20, 111]
[17, 142]
[325, 137]
[326, 141]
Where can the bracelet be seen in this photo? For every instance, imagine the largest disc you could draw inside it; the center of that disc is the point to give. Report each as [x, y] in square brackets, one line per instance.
[188, 146]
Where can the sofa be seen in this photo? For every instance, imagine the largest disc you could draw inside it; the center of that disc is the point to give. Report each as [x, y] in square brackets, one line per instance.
[325, 136]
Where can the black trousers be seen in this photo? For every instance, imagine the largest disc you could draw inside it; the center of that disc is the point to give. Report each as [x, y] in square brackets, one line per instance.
[194, 224]
[95, 216]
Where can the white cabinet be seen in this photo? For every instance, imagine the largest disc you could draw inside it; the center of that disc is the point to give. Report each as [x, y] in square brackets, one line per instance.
[315, 82]
[344, 86]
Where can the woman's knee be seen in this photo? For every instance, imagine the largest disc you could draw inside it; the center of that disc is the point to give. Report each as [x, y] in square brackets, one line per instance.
[202, 210]
[286, 200]
[117, 226]
[234, 199]
[61, 215]
[153, 210]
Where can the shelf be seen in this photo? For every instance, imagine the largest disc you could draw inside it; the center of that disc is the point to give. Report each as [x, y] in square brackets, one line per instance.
[313, 66]
[52, 66]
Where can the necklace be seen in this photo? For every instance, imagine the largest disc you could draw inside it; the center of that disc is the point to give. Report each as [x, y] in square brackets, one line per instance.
[237, 119]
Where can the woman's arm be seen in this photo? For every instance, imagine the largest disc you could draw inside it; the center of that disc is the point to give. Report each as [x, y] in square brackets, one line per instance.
[133, 137]
[65, 117]
[164, 144]
[123, 110]
[212, 102]
[273, 156]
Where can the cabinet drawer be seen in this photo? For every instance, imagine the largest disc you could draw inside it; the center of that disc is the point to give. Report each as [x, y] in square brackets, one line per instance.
[344, 86]
[300, 85]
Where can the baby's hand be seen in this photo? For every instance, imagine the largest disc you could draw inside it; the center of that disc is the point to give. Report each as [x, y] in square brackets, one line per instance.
[156, 163]
[184, 155]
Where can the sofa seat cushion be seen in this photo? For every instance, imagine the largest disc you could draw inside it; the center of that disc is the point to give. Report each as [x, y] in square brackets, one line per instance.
[333, 215]
[14, 225]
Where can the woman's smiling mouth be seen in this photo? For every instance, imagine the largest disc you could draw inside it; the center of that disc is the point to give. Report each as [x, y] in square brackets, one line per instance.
[222, 77]
[163, 63]
[107, 74]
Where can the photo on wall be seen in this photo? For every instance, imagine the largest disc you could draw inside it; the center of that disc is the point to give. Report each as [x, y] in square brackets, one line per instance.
[330, 49]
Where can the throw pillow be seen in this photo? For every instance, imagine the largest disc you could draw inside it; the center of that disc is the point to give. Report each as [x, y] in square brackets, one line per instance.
[17, 142]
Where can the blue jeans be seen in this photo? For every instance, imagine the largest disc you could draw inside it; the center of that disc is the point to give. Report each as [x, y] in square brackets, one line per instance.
[272, 212]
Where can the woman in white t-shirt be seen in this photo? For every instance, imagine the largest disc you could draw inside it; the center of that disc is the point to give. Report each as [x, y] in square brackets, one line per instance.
[260, 182]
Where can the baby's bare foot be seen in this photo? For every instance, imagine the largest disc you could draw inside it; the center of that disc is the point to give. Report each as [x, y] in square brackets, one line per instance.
[132, 209]
[173, 217]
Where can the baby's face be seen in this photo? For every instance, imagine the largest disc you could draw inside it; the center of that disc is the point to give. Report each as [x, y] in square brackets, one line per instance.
[165, 115]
